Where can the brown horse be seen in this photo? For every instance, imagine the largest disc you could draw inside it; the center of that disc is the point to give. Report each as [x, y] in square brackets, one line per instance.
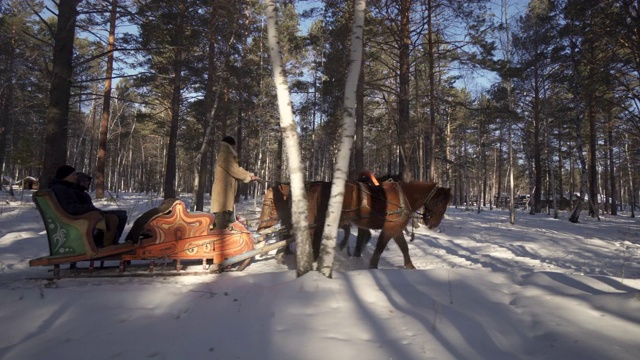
[433, 211]
[387, 207]
[269, 215]
[417, 194]
[276, 206]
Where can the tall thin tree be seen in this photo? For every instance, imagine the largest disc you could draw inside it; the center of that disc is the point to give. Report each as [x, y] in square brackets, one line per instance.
[106, 105]
[56, 130]
[330, 232]
[304, 254]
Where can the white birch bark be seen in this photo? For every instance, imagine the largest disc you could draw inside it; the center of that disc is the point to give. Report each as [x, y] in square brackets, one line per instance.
[330, 232]
[304, 254]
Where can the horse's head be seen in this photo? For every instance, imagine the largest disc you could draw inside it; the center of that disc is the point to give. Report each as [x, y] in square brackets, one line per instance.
[275, 207]
[434, 208]
[268, 215]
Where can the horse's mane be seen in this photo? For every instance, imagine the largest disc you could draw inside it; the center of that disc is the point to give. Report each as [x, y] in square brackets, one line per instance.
[416, 192]
[443, 194]
[391, 177]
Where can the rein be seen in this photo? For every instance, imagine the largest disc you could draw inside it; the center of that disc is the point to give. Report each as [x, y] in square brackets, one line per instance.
[433, 192]
[427, 199]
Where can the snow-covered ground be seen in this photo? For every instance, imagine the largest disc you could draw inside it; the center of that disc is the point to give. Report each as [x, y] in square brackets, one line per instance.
[484, 289]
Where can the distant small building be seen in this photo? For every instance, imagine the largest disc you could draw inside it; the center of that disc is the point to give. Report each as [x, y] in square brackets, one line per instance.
[522, 200]
[29, 183]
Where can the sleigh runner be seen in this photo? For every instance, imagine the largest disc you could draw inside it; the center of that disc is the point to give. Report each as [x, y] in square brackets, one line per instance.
[168, 232]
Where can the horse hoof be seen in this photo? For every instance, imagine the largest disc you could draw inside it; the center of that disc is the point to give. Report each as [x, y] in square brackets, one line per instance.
[410, 266]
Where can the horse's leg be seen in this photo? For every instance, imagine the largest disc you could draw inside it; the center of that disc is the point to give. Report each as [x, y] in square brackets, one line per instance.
[409, 232]
[402, 244]
[316, 242]
[287, 249]
[364, 235]
[383, 240]
[345, 239]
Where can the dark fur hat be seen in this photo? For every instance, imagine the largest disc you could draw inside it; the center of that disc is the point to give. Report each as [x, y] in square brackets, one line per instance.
[84, 177]
[229, 140]
[64, 171]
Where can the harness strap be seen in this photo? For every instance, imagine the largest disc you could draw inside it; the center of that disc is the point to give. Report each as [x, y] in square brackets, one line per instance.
[403, 198]
[364, 190]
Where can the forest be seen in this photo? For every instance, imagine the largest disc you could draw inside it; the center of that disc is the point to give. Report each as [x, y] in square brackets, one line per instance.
[495, 99]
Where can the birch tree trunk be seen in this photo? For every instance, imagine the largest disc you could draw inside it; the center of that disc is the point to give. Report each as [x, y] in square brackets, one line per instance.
[359, 155]
[330, 233]
[304, 254]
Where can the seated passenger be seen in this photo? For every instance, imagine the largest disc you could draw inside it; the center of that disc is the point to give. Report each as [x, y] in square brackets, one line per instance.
[73, 198]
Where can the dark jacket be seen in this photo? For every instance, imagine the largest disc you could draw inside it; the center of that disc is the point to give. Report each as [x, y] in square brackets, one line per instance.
[72, 198]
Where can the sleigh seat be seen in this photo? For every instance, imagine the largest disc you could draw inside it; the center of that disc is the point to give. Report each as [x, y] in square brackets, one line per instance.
[71, 237]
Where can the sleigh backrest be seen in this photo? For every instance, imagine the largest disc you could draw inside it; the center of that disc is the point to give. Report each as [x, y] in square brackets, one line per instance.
[67, 234]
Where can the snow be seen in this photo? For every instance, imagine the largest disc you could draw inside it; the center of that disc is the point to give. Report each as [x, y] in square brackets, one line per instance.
[543, 288]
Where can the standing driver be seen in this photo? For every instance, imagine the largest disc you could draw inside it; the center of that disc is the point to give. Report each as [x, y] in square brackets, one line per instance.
[228, 172]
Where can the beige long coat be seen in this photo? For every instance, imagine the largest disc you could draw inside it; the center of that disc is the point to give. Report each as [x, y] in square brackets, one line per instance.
[225, 185]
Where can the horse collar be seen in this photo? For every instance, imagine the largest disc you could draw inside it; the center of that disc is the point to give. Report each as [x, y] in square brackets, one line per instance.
[402, 197]
[364, 190]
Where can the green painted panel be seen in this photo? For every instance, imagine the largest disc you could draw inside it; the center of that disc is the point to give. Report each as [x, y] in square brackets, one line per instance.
[64, 239]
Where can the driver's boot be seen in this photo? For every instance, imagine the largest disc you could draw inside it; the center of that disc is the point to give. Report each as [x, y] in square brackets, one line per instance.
[223, 219]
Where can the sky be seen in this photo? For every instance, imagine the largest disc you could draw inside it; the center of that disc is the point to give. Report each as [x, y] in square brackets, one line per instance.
[542, 288]
[516, 8]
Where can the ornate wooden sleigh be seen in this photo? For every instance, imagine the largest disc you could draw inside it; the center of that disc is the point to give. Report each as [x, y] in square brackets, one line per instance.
[168, 232]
